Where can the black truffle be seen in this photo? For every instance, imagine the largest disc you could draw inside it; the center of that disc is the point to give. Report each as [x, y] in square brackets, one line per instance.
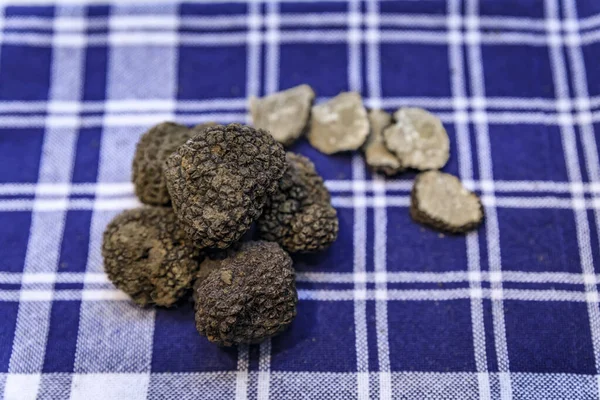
[220, 179]
[147, 255]
[152, 150]
[299, 216]
[250, 297]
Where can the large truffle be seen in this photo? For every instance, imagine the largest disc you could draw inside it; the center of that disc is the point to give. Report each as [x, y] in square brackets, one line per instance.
[299, 216]
[341, 124]
[148, 256]
[378, 157]
[284, 114]
[220, 179]
[251, 297]
[439, 200]
[151, 152]
[418, 139]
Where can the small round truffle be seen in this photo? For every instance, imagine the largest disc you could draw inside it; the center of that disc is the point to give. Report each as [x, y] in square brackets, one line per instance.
[250, 297]
[220, 179]
[151, 152]
[284, 114]
[341, 124]
[439, 200]
[418, 139]
[299, 216]
[147, 255]
[377, 155]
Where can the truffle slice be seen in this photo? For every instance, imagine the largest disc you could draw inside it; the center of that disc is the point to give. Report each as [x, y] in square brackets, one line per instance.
[378, 157]
[220, 179]
[250, 297]
[341, 124]
[418, 139]
[284, 114]
[440, 201]
[147, 255]
[151, 152]
[299, 216]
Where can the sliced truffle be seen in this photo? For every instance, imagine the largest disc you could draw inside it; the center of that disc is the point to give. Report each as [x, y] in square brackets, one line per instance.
[284, 114]
[250, 297]
[377, 155]
[151, 152]
[341, 124]
[439, 200]
[220, 179]
[148, 256]
[418, 139]
[299, 216]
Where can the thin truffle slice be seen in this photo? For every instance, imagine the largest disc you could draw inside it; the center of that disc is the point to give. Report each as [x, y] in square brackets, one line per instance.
[418, 139]
[148, 256]
[377, 155]
[284, 114]
[220, 179]
[341, 124]
[439, 200]
[151, 152]
[299, 216]
[250, 297]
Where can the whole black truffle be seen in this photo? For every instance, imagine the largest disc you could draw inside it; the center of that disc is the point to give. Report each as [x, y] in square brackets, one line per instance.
[151, 152]
[220, 179]
[250, 297]
[299, 216]
[147, 255]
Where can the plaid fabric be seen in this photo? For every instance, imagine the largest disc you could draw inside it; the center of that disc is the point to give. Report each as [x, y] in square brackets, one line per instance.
[392, 310]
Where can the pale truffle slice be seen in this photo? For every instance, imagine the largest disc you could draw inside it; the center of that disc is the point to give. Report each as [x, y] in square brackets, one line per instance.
[377, 155]
[341, 124]
[440, 201]
[418, 139]
[284, 114]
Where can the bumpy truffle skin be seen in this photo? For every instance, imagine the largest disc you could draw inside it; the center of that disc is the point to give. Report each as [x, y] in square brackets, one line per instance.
[152, 150]
[251, 297]
[299, 216]
[220, 179]
[147, 255]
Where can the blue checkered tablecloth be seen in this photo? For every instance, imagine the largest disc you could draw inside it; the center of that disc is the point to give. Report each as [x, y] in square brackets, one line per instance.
[392, 310]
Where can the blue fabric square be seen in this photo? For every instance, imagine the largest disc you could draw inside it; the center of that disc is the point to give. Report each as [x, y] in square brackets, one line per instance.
[87, 155]
[203, 71]
[321, 338]
[8, 316]
[416, 7]
[28, 79]
[316, 7]
[215, 9]
[62, 336]
[21, 149]
[75, 244]
[517, 71]
[548, 337]
[512, 8]
[414, 70]
[96, 65]
[178, 347]
[586, 9]
[591, 55]
[421, 249]
[305, 63]
[430, 336]
[538, 240]
[13, 241]
[527, 152]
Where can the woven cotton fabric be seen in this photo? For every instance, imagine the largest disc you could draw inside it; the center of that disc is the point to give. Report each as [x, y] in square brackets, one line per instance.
[392, 310]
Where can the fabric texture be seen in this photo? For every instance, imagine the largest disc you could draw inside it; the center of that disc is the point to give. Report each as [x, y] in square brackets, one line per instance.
[392, 310]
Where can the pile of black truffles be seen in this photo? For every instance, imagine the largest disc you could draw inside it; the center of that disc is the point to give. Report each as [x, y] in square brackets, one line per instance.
[205, 187]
